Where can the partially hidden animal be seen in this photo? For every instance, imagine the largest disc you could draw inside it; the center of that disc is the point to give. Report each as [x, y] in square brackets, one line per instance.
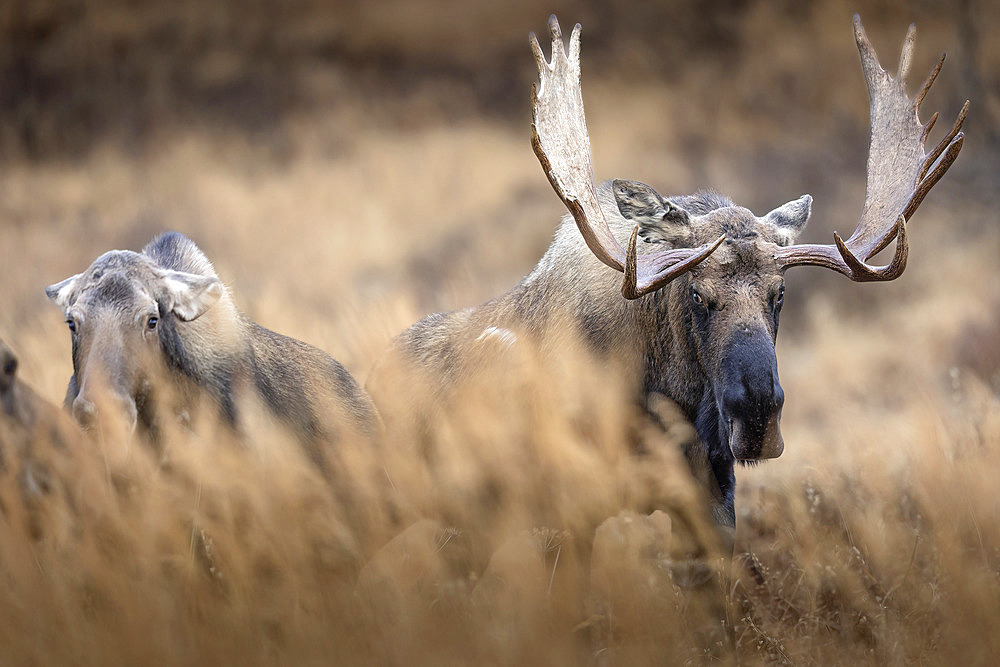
[142, 320]
[693, 308]
[42, 486]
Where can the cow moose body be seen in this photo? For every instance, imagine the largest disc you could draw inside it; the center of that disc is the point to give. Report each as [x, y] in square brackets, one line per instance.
[165, 309]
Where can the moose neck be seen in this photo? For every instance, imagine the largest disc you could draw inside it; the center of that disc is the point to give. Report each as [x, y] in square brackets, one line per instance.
[671, 368]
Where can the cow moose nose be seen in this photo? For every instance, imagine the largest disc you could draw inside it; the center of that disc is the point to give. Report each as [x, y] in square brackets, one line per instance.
[84, 412]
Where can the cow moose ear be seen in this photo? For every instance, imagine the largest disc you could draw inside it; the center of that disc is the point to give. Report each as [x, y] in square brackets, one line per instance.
[59, 293]
[659, 220]
[790, 219]
[190, 295]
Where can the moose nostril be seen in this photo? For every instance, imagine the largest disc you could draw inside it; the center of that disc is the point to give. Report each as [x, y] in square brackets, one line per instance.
[129, 413]
[84, 411]
[779, 395]
[734, 400]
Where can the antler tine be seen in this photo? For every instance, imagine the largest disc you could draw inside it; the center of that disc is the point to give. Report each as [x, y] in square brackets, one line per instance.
[929, 126]
[947, 140]
[561, 142]
[929, 81]
[869, 59]
[906, 53]
[928, 182]
[536, 50]
[574, 41]
[862, 272]
[677, 261]
[898, 178]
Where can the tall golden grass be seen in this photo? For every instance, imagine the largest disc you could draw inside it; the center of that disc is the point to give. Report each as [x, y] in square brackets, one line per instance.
[391, 177]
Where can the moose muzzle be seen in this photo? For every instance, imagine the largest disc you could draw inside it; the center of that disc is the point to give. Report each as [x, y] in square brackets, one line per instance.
[750, 398]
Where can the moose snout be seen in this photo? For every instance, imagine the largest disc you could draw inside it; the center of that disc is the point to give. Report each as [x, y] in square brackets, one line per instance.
[86, 413]
[752, 404]
[750, 399]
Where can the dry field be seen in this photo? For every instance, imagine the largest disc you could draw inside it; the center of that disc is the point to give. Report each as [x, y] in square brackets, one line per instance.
[352, 168]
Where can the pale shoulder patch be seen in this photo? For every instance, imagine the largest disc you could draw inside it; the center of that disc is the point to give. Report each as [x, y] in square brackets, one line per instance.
[499, 334]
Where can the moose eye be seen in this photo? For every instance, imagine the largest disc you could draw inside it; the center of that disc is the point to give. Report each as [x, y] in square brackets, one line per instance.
[151, 323]
[72, 325]
[780, 297]
[697, 298]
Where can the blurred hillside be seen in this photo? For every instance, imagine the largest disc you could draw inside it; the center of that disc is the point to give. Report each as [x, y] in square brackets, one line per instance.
[77, 74]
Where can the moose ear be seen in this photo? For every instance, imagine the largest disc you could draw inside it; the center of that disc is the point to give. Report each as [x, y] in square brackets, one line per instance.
[59, 293]
[190, 295]
[637, 201]
[790, 219]
[659, 220]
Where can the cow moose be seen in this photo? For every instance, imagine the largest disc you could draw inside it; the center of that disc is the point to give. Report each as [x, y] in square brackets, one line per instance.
[132, 315]
[695, 312]
[25, 414]
[10, 402]
[41, 481]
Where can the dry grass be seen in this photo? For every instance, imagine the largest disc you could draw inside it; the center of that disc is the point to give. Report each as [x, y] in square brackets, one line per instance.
[349, 173]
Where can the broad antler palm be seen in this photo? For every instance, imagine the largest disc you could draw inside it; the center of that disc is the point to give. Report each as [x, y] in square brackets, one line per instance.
[900, 173]
[562, 143]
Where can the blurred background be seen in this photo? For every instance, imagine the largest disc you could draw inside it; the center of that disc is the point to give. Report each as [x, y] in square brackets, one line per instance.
[351, 167]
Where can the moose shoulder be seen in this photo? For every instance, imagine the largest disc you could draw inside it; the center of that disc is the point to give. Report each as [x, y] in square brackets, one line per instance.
[694, 307]
[135, 318]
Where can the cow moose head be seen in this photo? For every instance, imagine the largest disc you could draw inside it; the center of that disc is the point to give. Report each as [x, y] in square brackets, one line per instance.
[119, 311]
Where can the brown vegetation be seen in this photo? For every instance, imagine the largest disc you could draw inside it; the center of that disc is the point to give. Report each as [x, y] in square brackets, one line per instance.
[350, 170]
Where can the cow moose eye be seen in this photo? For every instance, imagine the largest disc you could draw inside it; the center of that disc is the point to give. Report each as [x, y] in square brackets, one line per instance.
[72, 325]
[151, 323]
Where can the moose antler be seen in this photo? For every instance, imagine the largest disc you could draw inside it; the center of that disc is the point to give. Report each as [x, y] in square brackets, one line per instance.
[900, 174]
[561, 141]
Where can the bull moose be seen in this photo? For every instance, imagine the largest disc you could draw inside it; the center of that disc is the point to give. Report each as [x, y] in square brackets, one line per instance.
[131, 314]
[695, 309]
